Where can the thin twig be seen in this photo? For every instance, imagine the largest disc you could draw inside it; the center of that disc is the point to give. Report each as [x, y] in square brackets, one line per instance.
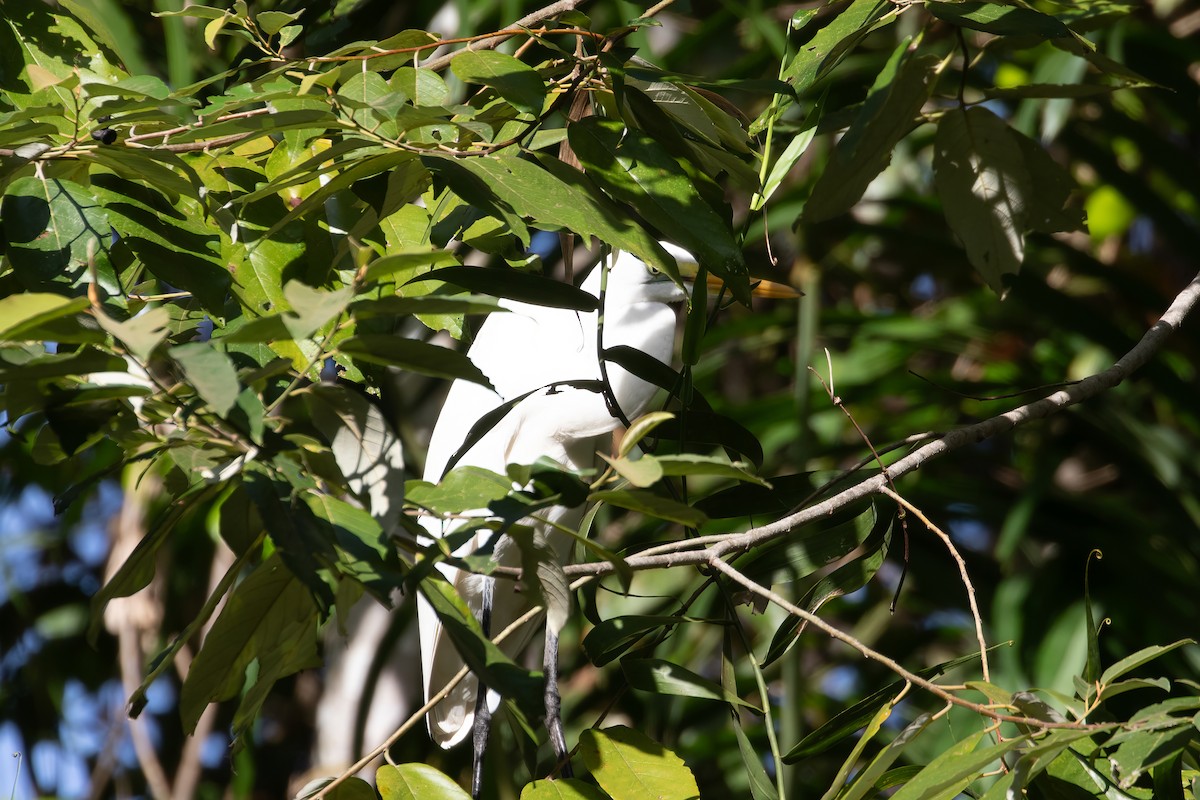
[962, 571]
[1086, 389]
[490, 43]
[944, 692]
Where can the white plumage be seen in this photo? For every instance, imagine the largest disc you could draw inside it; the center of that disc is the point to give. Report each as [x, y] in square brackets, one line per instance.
[525, 349]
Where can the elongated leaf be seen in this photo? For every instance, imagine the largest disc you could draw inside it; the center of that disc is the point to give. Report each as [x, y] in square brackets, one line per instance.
[663, 677]
[869, 777]
[427, 359]
[612, 637]
[847, 578]
[785, 493]
[486, 660]
[1135, 660]
[268, 613]
[22, 314]
[643, 472]
[984, 184]
[632, 167]
[846, 722]
[462, 489]
[1001, 20]
[812, 546]
[512, 79]
[552, 193]
[631, 766]
[651, 505]
[425, 304]
[887, 116]
[827, 47]
[398, 262]
[702, 427]
[955, 769]
[513, 285]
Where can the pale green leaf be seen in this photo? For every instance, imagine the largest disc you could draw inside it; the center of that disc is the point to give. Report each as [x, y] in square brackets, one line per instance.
[984, 184]
[210, 371]
[663, 677]
[416, 782]
[631, 766]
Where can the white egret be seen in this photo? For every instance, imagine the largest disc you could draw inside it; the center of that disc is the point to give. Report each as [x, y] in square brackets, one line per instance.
[531, 349]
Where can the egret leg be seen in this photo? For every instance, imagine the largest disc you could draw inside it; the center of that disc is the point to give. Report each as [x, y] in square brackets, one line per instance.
[554, 724]
[483, 711]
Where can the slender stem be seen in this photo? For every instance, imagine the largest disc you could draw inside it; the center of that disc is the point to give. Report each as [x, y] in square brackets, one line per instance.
[962, 571]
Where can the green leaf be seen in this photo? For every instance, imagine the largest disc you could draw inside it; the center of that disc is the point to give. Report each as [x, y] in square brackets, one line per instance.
[984, 184]
[632, 167]
[796, 148]
[140, 334]
[410, 354]
[462, 489]
[1135, 660]
[827, 47]
[1052, 206]
[662, 677]
[416, 782]
[651, 505]
[54, 228]
[510, 284]
[270, 617]
[812, 546]
[846, 722]
[847, 578]
[886, 117]
[712, 466]
[173, 245]
[631, 766]
[486, 660]
[515, 81]
[612, 637]
[706, 427]
[640, 429]
[761, 787]
[86, 360]
[786, 492]
[955, 769]
[642, 472]
[425, 304]
[562, 789]
[543, 572]
[867, 780]
[403, 262]
[210, 371]
[553, 194]
[22, 314]
[272, 22]
[1001, 20]
[312, 308]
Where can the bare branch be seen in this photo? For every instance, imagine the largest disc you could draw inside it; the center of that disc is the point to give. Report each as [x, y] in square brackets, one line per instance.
[1086, 389]
[552, 10]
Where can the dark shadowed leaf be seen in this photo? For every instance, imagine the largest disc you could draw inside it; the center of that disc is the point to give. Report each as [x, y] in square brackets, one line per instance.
[410, 354]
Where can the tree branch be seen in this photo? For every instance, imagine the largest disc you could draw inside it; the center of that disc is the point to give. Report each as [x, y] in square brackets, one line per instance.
[684, 553]
[552, 10]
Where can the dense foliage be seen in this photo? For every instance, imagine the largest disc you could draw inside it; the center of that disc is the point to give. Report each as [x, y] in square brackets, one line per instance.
[238, 246]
